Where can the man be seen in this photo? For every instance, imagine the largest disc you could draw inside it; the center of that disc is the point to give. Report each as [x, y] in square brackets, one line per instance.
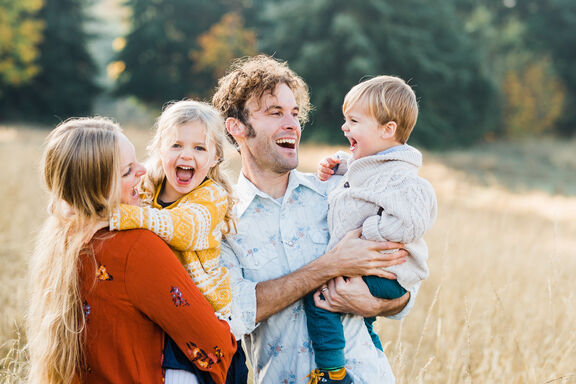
[278, 254]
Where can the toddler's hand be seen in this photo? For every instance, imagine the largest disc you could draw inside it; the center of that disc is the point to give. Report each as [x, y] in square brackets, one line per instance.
[326, 167]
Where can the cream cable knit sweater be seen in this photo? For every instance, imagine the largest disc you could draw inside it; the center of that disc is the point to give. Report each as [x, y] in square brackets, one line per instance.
[409, 208]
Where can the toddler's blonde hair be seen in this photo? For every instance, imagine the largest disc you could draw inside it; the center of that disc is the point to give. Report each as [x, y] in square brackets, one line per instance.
[386, 98]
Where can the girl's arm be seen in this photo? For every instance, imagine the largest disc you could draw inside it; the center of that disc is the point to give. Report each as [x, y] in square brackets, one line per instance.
[161, 288]
[192, 225]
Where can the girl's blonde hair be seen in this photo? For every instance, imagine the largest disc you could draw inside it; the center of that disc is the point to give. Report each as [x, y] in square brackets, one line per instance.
[175, 115]
[81, 168]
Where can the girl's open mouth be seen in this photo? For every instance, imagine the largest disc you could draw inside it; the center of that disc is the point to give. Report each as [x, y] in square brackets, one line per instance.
[184, 174]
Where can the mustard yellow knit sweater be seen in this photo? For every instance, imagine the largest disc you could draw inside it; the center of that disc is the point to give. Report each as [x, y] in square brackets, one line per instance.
[192, 227]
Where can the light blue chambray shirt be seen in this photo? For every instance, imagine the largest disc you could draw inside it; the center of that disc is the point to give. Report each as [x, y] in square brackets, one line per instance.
[275, 238]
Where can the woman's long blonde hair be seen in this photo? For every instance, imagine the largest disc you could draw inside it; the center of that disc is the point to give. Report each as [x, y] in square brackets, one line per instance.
[177, 114]
[81, 169]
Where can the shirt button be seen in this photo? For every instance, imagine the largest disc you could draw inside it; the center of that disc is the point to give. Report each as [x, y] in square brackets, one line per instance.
[346, 185]
[291, 243]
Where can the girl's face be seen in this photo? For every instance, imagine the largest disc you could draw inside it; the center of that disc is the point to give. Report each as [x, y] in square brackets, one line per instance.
[186, 159]
[132, 171]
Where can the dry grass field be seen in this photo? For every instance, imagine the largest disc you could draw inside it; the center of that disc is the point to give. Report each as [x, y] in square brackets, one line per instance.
[499, 307]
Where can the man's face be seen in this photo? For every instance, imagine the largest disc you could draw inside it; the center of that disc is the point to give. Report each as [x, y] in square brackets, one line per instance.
[273, 131]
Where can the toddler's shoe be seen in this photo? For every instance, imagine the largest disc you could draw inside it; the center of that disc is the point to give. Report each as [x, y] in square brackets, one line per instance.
[321, 376]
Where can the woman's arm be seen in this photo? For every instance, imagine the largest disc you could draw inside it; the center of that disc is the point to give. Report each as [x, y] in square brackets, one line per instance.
[161, 288]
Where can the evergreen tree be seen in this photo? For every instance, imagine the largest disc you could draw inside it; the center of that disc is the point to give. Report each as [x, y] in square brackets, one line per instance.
[334, 44]
[552, 30]
[160, 47]
[20, 34]
[65, 85]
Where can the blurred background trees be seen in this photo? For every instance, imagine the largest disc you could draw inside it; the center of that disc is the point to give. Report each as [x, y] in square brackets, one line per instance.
[482, 69]
[64, 84]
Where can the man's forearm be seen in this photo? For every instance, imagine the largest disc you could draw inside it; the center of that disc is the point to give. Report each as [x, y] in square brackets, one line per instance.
[272, 296]
[352, 256]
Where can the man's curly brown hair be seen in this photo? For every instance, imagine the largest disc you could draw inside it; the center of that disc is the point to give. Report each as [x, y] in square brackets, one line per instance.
[250, 78]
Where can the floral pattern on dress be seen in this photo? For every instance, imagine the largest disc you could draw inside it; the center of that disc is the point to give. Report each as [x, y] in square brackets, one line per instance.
[177, 298]
[202, 358]
[102, 274]
[86, 309]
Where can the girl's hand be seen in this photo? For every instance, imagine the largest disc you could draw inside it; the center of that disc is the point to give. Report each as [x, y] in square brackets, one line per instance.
[326, 167]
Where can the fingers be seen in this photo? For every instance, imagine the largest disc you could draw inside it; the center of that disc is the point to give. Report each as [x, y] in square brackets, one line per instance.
[387, 245]
[325, 168]
[319, 302]
[385, 274]
[332, 161]
[354, 234]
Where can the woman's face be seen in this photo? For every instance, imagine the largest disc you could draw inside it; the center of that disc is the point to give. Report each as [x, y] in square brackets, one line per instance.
[131, 171]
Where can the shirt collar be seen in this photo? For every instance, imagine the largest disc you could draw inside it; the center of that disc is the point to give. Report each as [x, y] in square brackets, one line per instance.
[395, 148]
[247, 192]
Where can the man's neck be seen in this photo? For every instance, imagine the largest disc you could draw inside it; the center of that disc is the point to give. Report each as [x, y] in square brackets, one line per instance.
[272, 183]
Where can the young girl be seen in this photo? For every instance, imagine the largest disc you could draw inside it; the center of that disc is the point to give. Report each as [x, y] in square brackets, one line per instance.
[100, 301]
[187, 202]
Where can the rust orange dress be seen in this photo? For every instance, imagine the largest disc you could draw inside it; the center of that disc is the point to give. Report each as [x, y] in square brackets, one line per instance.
[134, 290]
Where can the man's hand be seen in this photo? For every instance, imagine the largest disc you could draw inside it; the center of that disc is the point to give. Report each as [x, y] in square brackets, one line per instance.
[326, 168]
[351, 295]
[353, 256]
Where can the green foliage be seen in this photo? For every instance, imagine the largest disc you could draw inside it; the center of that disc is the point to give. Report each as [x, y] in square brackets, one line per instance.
[551, 28]
[169, 52]
[340, 42]
[20, 34]
[65, 86]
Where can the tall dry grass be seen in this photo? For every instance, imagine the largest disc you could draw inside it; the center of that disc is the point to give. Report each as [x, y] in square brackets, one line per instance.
[499, 306]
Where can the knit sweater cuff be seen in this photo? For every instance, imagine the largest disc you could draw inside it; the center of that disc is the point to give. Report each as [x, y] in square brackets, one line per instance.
[115, 220]
[370, 229]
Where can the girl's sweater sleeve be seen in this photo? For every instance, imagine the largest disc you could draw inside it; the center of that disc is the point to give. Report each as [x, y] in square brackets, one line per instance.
[190, 226]
[406, 212]
[163, 291]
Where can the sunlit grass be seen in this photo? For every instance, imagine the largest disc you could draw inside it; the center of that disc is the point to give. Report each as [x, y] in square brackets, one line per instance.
[499, 306]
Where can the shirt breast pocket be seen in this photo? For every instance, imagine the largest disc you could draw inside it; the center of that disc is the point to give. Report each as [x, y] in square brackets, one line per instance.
[318, 241]
[261, 263]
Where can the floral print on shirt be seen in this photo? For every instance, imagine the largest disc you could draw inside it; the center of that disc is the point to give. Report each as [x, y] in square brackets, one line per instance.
[275, 238]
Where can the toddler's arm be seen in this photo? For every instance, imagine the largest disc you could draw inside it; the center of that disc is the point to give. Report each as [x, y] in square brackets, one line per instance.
[190, 226]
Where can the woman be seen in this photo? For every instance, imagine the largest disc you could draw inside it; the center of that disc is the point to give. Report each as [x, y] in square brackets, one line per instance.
[100, 300]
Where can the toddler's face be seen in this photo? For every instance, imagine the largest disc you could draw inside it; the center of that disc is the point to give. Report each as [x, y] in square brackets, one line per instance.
[186, 159]
[362, 130]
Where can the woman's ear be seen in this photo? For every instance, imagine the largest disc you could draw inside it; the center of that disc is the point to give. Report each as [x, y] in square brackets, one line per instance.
[388, 130]
[235, 127]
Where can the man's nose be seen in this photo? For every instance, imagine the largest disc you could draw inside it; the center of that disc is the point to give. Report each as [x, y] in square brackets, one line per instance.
[291, 122]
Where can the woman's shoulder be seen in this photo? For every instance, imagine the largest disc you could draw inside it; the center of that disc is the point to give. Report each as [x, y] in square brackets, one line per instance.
[132, 238]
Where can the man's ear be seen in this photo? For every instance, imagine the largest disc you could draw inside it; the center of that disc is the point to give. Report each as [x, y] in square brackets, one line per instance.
[388, 130]
[235, 127]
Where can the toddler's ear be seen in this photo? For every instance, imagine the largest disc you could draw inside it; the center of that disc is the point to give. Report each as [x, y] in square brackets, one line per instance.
[388, 130]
